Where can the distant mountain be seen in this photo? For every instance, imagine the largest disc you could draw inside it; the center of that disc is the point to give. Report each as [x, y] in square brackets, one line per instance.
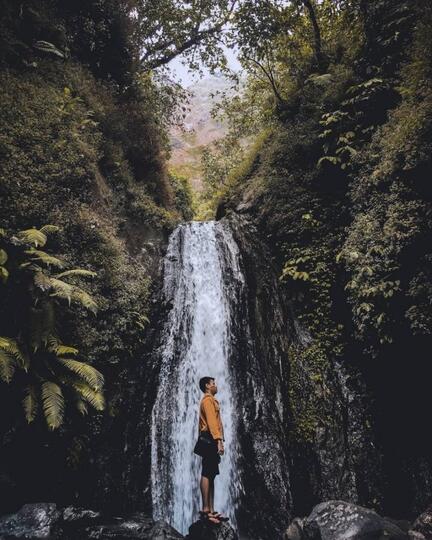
[199, 129]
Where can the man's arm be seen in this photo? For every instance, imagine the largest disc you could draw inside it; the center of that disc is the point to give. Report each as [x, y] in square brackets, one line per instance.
[210, 415]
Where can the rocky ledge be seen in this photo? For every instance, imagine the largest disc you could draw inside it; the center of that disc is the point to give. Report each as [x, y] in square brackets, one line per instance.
[340, 520]
[330, 520]
[47, 521]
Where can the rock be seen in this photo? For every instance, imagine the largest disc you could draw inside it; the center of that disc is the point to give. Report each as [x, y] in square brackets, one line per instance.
[73, 514]
[138, 526]
[295, 530]
[200, 530]
[44, 520]
[414, 535]
[340, 520]
[32, 521]
[422, 525]
[163, 531]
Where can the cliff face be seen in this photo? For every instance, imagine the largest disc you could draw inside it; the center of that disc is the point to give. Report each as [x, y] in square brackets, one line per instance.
[276, 387]
[344, 239]
[69, 158]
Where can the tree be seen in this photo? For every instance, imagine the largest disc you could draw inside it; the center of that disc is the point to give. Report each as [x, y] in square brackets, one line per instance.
[169, 28]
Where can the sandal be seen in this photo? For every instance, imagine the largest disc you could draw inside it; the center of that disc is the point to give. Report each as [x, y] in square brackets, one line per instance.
[218, 515]
[208, 516]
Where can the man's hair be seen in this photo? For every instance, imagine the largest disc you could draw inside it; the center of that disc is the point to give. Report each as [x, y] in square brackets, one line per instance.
[204, 381]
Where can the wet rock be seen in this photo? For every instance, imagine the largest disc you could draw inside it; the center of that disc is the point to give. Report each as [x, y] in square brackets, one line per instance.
[73, 514]
[31, 521]
[200, 530]
[295, 530]
[163, 531]
[44, 520]
[422, 527]
[340, 520]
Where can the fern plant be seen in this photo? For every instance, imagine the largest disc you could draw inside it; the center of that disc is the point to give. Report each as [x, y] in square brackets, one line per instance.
[47, 373]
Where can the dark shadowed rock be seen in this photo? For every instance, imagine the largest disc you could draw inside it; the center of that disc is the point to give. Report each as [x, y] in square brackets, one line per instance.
[295, 530]
[31, 521]
[72, 514]
[422, 527]
[200, 530]
[163, 531]
[339, 520]
[44, 520]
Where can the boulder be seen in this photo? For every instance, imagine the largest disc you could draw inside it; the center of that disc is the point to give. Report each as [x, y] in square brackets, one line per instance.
[295, 530]
[422, 526]
[39, 520]
[44, 520]
[340, 520]
[202, 530]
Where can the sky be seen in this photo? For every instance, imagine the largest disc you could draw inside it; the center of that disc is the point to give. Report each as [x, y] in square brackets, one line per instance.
[181, 74]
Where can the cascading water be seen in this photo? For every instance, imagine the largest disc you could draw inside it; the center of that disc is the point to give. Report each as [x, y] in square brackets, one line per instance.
[195, 343]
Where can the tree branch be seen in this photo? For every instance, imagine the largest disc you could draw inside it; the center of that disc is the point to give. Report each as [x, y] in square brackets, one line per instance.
[319, 58]
[196, 37]
[269, 76]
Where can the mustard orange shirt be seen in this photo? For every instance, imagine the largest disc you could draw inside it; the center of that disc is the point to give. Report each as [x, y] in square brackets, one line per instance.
[210, 418]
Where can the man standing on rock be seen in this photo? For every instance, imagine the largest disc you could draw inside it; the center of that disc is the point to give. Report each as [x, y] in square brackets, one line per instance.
[210, 421]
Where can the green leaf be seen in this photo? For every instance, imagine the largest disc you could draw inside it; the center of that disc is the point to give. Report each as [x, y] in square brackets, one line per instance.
[32, 236]
[86, 372]
[83, 298]
[93, 397]
[49, 229]
[48, 47]
[30, 403]
[52, 404]
[43, 257]
[77, 272]
[61, 350]
[3, 257]
[7, 366]
[11, 347]
[4, 274]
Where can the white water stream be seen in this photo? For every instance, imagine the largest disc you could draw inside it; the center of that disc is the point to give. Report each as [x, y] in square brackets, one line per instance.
[196, 343]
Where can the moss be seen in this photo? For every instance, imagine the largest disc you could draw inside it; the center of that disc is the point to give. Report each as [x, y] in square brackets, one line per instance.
[68, 157]
[309, 371]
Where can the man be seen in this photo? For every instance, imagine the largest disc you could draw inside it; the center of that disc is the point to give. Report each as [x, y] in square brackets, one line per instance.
[211, 422]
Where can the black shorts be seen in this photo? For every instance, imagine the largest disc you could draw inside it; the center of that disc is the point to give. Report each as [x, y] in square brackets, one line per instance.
[210, 463]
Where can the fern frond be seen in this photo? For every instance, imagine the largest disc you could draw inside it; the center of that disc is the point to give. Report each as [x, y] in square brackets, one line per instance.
[61, 289]
[87, 373]
[11, 347]
[83, 298]
[76, 272]
[42, 281]
[53, 404]
[32, 236]
[81, 405]
[93, 397]
[3, 257]
[30, 403]
[61, 350]
[49, 229]
[4, 274]
[44, 258]
[7, 366]
[42, 325]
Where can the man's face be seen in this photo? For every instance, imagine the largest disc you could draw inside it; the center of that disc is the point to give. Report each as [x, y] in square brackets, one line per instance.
[212, 388]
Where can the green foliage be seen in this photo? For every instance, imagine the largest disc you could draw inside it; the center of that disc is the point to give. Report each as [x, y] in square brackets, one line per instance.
[29, 314]
[183, 195]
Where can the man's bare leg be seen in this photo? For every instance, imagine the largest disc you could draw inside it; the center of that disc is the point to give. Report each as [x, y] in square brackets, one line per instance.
[205, 493]
[211, 495]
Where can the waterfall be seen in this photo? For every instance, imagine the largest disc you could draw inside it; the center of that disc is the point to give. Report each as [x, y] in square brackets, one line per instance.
[201, 272]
